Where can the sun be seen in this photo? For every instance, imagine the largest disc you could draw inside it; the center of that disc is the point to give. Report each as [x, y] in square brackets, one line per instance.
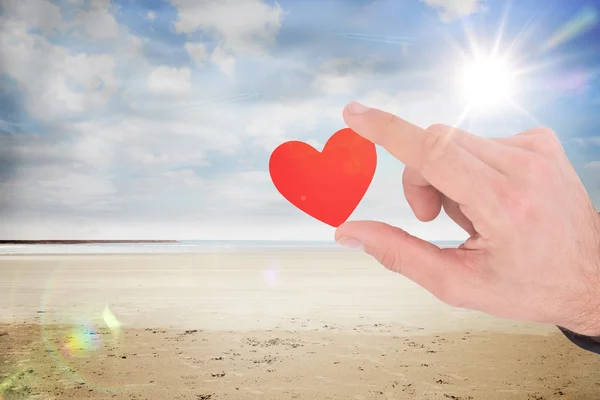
[487, 82]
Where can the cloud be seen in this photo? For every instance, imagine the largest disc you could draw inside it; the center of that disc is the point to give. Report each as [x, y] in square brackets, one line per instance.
[593, 165]
[98, 22]
[197, 51]
[240, 25]
[450, 10]
[55, 81]
[224, 60]
[97, 140]
[35, 14]
[341, 75]
[584, 141]
[170, 80]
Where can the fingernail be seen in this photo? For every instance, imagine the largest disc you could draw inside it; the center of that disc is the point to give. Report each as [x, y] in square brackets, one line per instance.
[357, 108]
[350, 242]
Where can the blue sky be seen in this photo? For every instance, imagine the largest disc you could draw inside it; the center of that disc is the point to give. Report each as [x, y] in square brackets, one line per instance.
[156, 119]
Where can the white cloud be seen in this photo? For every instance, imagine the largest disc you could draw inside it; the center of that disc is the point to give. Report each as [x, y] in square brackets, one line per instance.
[94, 191]
[56, 82]
[224, 60]
[593, 140]
[151, 15]
[241, 25]
[191, 155]
[197, 52]
[338, 76]
[98, 22]
[450, 10]
[36, 14]
[593, 164]
[170, 80]
[59, 173]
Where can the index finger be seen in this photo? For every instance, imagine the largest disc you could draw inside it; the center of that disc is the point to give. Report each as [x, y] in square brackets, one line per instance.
[400, 138]
[445, 164]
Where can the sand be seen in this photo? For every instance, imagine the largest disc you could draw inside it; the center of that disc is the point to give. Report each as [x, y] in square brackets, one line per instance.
[271, 325]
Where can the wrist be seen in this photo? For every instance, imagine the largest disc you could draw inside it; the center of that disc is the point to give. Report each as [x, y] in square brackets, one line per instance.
[588, 325]
[586, 319]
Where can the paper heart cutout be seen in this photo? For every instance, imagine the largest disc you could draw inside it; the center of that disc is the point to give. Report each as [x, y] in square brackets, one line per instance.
[326, 185]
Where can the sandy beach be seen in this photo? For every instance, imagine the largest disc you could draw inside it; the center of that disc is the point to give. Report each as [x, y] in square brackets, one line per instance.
[262, 325]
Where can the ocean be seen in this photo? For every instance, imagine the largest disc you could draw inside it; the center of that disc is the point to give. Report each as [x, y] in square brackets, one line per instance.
[183, 246]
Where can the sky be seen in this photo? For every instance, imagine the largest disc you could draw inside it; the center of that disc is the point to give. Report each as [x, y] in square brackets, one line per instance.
[156, 119]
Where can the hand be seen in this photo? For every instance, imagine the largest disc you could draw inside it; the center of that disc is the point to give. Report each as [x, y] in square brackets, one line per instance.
[534, 247]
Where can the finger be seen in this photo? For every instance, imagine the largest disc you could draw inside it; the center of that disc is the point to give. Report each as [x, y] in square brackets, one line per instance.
[453, 210]
[438, 271]
[496, 154]
[541, 141]
[441, 161]
[424, 200]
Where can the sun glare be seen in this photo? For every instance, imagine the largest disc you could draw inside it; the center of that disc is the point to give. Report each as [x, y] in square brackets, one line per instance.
[487, 82]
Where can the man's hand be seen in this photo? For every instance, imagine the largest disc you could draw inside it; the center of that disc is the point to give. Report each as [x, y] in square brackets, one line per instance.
[534, 250]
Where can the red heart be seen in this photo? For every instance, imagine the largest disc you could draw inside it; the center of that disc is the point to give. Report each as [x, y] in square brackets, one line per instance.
[326, 185]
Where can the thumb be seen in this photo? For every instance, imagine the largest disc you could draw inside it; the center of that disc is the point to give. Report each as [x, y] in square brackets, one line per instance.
[440, 271]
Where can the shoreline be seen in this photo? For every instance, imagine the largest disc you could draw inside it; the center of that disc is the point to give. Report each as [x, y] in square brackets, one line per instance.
[292, 251]
[77, 241]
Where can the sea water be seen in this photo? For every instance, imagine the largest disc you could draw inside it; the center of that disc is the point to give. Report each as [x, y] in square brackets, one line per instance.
[183, 246]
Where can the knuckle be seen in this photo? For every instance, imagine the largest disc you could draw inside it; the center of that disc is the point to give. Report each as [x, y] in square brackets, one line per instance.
[544, 131]
[536, 131]
[534, 167]
[544, 141]
[439, 128]
[388, 258]
[519, 205]
[515, 201]
[435, 146]
[389, 131]
[547, 144]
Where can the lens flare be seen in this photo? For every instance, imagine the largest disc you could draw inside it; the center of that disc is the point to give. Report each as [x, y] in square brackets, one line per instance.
[581, 23]
[271, 273]
[81, 340]
[85, 336]
[8, 384]
[111, 321]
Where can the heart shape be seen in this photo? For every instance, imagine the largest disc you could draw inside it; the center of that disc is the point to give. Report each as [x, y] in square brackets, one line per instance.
[326, 185]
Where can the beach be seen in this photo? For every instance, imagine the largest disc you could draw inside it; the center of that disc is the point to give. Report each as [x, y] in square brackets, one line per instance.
[263, 324]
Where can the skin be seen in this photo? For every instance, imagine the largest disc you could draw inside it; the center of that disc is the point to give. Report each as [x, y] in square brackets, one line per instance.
[534, 247]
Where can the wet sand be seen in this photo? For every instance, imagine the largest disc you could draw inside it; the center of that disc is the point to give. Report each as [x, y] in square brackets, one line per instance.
[271, 325]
